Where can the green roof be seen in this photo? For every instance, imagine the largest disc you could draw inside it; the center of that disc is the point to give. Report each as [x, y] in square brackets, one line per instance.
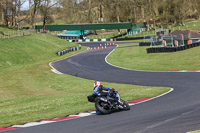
[91, 26]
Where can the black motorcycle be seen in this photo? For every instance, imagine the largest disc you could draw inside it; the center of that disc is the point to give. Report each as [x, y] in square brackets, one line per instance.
[107, 104]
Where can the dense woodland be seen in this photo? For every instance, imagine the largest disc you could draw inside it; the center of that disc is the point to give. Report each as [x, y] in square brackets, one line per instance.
[159, 12]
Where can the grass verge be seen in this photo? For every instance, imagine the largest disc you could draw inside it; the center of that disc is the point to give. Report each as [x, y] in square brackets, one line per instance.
[194, 131]
[29, 91]
[127, 44]
[137, 58]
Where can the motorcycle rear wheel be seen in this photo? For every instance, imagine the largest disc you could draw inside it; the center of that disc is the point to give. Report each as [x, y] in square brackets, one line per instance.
[103, 107]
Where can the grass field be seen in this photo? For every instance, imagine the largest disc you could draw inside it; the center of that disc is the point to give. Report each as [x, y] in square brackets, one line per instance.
[127, 44]
[29, 91]
[194, 25]
[194, 131]
[130, 44]
[138, 59]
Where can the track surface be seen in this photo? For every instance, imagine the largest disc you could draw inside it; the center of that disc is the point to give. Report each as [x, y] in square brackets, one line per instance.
[176, 112]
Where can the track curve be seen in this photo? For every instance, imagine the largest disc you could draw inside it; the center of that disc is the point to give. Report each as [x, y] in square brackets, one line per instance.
[177, 112]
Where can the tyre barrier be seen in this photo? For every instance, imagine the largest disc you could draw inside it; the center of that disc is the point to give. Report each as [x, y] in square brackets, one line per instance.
[68, 50]
[171, 49]
[93, 40]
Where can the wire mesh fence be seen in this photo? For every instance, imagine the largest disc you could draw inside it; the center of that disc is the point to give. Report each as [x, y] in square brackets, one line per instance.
[174, 41]
[14, 33]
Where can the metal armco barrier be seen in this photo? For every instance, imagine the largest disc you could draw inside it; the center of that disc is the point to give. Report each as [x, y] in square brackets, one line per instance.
[171, 49]
[149, 43]
[131, 38]
[68, 50]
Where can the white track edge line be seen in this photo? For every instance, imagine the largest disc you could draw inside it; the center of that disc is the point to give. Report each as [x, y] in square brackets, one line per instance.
[55, 70]
[31, 124]
[171, 89]
[123, 67]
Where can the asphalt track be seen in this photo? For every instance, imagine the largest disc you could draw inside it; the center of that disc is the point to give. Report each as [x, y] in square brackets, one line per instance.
[176, 112]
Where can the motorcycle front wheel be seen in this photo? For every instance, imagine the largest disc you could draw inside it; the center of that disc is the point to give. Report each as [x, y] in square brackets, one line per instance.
[125, 105]
[102, 107]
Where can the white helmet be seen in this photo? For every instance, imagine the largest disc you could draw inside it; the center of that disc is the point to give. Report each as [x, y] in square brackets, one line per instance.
[97, 83]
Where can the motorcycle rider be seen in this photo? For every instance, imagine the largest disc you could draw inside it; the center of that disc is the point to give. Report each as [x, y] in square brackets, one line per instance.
[102, 90]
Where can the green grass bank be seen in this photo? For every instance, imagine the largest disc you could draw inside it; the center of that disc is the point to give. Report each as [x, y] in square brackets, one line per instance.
[194, 131]
[137, 58]
[29, 91]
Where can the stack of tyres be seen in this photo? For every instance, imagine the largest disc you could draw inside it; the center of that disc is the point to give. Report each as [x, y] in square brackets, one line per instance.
[68, 50]
[185, 46]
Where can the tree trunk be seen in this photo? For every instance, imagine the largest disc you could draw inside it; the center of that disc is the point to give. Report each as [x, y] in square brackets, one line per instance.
[100, 12]
[142, 12]
[2, 15]
[118, 19]
[33, 13]
[30, 13]
[18, 13]
[44, 24]
[13, 14]
[6, 14]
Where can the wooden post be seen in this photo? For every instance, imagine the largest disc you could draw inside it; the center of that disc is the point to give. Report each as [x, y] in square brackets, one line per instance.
[176, 43]
[189, 42]
[163, 43]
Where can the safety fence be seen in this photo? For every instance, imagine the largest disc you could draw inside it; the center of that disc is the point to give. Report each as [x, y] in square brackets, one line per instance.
[13, 34]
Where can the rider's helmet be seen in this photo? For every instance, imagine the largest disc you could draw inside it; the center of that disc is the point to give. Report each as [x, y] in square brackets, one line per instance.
[97, 83]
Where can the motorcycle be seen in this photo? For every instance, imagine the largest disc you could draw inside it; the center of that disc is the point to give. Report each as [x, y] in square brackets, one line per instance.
[107, 104]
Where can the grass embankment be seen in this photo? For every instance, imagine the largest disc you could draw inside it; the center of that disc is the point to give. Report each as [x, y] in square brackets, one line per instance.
[194, 131]
[29, 91]
[137, 58]
[193, 25]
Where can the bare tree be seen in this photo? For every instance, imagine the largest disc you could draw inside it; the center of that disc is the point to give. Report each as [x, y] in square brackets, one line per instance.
[19, 4]
[33, 7]
[45, 9]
